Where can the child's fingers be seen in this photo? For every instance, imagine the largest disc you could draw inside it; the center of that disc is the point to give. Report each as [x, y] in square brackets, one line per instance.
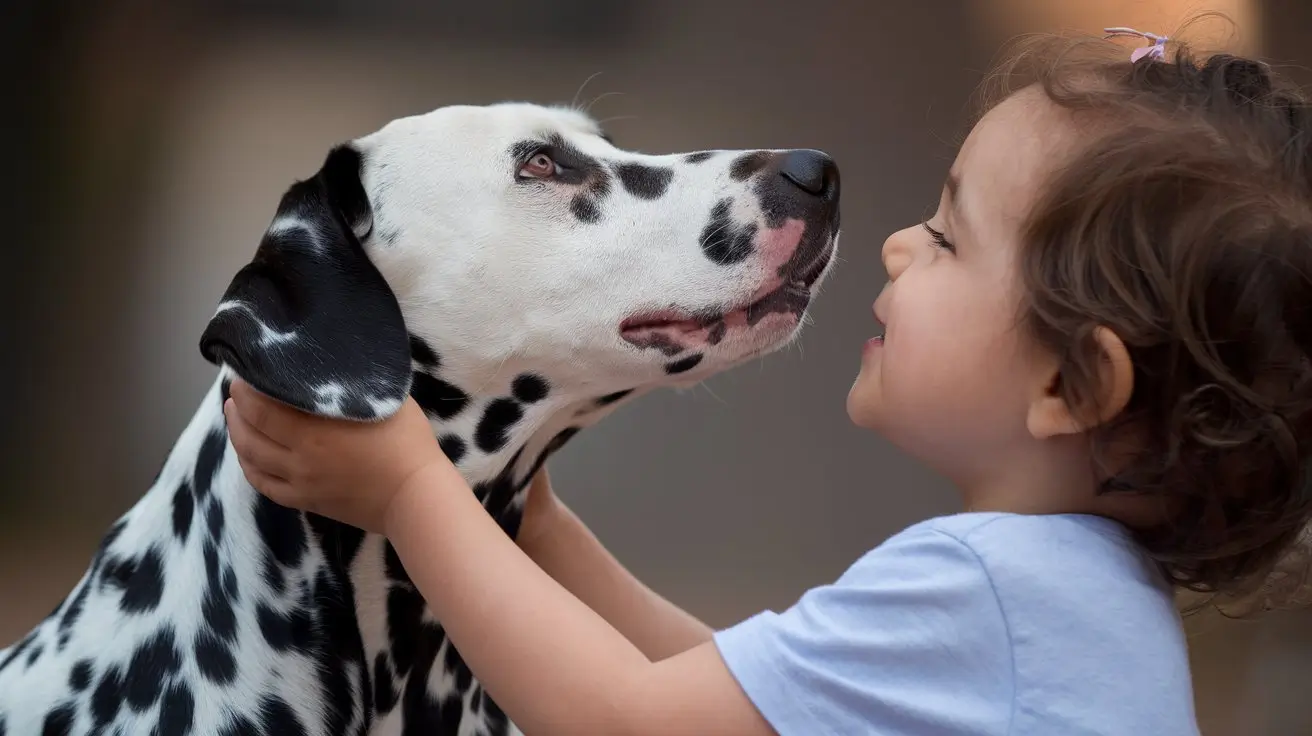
[256, 452]
[263, 414]
[278, 490]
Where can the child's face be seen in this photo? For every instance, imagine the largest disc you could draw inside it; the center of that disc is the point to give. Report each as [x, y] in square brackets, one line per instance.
[952, 379]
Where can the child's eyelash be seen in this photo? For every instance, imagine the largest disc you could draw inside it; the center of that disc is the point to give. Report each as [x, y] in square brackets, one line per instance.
[939, 240]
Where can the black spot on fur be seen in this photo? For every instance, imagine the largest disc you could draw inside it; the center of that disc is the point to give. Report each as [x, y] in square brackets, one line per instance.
[644, 182]
[230, 583]
[79, 678]
[34, 654]
[498, 493]
[684, 365]
[117, 571]
[698, 157]
[355, 405]
[453, 447]
[214, 658]
[97, 571]
[217, 609]
[497, 720]
[178, 710]
[211, 554]
[422, 353]
[338, 642]
[273, 574]
[3, 729]
[456, 666]
[717, 333]
[529, 388]
[585, 209]
[495, 494]
[747, 164]
[339, 542]
[184, 507]
[207, 461]
[107, 698]
[557, 442]
[281, 529]
[609, 399]
[144, 585]
[279, 718]
[424, 715]
[405, 610]
[285, 631]
[214, 519]
[493, 431]
[385, 693]
[59, 721]
[551, 448]
[724, 241]
[225, 390]
[437, 397]
[153, 663]
[396, 572]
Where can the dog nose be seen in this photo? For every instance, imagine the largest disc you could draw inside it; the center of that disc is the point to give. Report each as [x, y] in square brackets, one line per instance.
[814, 172]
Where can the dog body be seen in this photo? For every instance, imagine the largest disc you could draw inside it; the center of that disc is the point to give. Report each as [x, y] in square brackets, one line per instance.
[520, 277]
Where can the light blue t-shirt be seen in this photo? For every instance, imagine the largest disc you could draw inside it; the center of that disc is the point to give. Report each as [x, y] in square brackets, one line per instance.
[979, 624]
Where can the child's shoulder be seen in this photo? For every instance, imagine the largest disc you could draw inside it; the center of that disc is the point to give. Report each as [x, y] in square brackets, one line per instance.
[1068, 567]
[1040, 549]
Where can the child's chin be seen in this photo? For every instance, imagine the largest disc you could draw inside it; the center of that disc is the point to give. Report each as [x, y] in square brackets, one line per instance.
[862, 402]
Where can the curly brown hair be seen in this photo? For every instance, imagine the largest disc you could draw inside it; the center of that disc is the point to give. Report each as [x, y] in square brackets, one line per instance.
[1183, 222]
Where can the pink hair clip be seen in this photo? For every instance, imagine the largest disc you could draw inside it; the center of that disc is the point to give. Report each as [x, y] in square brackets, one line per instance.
[1157, 50]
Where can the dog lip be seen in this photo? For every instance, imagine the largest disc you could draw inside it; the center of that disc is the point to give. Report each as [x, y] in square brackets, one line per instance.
[692, 321]
[688, 320]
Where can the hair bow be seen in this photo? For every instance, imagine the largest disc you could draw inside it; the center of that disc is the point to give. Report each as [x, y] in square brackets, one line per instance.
[1157, 50]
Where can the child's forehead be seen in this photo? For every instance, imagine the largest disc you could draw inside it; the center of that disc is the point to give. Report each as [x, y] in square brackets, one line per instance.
[1010, 150]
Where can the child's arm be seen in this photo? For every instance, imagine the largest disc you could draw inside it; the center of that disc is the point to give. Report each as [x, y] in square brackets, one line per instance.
[563, 546]
[552, 663]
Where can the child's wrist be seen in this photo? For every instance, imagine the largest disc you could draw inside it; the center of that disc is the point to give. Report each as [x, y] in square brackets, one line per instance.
[408, 497]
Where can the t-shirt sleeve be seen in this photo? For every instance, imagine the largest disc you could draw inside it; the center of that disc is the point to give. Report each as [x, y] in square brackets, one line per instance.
[910, 640]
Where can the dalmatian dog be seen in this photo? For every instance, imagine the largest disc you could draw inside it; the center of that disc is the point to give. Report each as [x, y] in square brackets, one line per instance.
[517, 274]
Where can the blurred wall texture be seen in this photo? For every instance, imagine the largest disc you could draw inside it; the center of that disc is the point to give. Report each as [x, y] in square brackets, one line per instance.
[151, 140]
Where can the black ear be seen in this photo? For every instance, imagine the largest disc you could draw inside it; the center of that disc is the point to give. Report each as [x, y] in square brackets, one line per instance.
[310, 321]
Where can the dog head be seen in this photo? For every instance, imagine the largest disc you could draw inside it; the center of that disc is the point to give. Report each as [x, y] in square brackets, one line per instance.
[511, 240]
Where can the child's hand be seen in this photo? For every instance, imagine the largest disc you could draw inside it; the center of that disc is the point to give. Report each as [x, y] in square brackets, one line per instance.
[348, 471]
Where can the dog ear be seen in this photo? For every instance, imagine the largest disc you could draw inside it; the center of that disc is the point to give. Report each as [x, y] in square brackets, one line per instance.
[310, 321]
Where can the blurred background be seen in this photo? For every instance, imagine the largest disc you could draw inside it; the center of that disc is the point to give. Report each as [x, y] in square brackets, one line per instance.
[148, 143]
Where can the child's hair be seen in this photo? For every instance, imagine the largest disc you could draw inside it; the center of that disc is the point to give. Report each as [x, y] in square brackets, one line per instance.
[1183, 222]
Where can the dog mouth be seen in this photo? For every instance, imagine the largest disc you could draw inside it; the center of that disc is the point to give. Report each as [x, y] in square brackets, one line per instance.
[672, 331]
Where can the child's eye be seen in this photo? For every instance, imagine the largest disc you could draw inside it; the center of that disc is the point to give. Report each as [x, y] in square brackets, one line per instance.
[938, 239]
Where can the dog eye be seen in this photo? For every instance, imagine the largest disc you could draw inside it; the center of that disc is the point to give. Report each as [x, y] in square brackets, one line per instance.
[540, 166]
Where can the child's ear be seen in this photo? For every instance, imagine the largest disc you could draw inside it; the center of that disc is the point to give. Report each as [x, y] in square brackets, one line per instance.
[1050, 415]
